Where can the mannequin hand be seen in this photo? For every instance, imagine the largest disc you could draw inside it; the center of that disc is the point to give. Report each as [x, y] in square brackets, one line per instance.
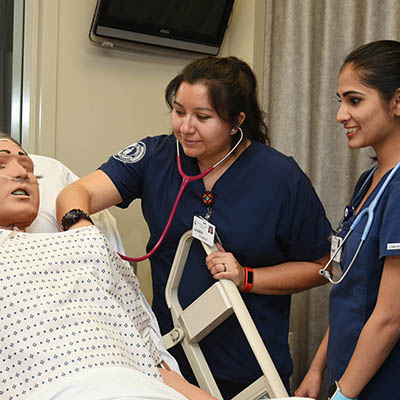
[223, 265]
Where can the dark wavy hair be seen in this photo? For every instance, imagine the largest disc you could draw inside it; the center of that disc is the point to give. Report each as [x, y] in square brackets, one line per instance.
[232, 88]
[377, 65]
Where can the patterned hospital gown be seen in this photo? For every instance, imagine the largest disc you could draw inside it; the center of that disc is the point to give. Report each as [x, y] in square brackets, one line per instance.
[68, 303]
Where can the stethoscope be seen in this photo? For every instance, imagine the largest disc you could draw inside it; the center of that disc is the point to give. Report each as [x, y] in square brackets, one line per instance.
[369, 211]
[185, 180]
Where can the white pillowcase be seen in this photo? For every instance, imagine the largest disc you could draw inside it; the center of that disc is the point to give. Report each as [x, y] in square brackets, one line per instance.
[53, 177]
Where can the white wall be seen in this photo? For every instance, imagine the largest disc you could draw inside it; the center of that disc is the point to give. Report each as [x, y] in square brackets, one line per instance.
[88, 102]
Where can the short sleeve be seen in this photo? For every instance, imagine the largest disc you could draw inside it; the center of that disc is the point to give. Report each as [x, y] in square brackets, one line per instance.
[308, 227]
[389, 238]
[127, 169]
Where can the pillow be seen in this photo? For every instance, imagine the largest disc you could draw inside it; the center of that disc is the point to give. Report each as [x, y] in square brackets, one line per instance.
[53, 176]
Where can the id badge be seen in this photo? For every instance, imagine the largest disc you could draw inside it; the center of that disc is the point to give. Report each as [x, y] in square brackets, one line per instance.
[336, 241]
[203, 230]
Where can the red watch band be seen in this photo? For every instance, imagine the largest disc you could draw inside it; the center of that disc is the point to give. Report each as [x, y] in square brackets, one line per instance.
[248, 279]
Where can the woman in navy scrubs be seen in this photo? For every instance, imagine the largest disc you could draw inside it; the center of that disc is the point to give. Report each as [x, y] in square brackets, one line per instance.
[361, 347]
[270, 221]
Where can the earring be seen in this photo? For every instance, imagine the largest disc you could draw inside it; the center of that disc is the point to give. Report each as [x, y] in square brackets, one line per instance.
[233, 130]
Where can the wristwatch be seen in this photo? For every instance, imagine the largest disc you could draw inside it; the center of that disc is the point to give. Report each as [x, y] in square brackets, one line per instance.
[334, 393]
[72, 217]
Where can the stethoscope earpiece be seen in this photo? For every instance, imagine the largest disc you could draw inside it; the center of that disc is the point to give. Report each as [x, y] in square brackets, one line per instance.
[236, 129]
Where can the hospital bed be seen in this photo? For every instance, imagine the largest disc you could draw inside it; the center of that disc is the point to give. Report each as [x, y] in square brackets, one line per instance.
[219, 301]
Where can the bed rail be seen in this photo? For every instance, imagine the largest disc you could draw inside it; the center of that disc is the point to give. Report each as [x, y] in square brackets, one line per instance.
[208, 311]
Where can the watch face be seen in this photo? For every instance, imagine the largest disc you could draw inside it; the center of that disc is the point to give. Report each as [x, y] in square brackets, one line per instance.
[250, 277]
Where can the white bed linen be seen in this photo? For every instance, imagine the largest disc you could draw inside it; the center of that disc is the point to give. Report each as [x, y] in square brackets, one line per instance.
[107, 384]
[68, 303]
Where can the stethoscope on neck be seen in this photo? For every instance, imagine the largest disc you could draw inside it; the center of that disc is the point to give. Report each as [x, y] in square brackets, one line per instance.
[368, 211]
[185, 181]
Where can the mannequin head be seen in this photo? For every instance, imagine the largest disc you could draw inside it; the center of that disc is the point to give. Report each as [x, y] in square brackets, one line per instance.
[19, 191]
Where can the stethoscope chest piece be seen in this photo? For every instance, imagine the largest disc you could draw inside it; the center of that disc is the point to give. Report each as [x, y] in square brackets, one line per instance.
[348, 213]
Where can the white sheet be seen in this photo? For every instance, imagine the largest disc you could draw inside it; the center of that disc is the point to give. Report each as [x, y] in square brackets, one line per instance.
[108, 384]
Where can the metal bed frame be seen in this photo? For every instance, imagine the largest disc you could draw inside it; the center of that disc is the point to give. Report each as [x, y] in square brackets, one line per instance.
[209, 310]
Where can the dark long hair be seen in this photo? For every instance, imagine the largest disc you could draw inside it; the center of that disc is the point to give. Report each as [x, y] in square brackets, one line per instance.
[378, 66]
[232, 88]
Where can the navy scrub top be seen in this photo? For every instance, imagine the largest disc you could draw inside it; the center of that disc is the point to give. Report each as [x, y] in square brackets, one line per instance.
[265, 211]
[353, 300]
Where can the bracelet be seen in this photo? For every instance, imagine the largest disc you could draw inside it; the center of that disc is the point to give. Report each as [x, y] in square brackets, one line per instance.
[72, 217]
[248, 279]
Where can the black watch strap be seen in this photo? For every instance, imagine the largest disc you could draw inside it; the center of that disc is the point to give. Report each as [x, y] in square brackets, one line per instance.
[73, 216]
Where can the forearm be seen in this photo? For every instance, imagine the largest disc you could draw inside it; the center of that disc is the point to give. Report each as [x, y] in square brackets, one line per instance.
[282, 279]
[311, 384]
[318, 364]
[376, 340]
[288, 278]
[72, 196]
[91, 194]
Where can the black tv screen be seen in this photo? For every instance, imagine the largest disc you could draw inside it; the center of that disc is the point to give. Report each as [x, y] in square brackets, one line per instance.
[192, 25]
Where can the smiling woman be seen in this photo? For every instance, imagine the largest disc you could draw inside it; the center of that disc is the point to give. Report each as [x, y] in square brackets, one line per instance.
[364, 113]
[262, 206]
[361, 348]
[201, 132]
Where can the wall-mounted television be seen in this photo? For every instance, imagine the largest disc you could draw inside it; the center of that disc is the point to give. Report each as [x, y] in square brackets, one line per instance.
[196, 26]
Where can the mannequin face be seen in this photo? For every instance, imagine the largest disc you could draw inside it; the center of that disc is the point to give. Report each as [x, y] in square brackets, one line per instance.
[19, 190]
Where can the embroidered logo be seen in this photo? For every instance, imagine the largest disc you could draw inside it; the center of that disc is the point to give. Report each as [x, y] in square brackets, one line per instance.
[393, 246]
[131, 154]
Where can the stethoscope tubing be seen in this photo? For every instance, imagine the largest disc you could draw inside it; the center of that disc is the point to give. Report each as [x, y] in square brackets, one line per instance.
[185, 180]
[367, 211]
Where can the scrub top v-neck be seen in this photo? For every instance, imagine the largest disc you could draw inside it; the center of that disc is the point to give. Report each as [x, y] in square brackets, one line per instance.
[353, 300]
